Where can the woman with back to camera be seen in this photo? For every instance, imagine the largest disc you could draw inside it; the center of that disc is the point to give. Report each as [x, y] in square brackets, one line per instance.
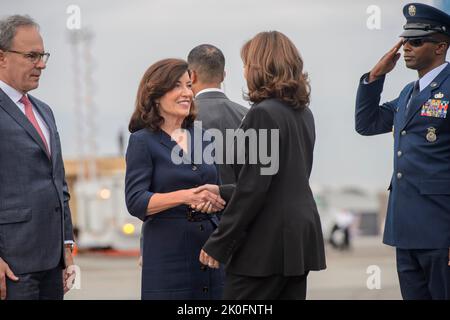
[160, 191]
[270, 234]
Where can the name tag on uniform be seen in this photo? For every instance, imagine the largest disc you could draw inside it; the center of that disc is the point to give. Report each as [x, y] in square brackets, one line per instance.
[436, 108]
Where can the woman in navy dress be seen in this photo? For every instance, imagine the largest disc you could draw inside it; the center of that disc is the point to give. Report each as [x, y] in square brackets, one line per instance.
[162, 185]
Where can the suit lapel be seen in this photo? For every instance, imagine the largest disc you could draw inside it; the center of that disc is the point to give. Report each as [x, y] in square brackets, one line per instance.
[167, 141]
[417, 103]
[11, 108]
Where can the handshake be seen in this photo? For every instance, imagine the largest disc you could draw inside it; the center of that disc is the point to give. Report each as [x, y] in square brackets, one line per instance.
[205, 199]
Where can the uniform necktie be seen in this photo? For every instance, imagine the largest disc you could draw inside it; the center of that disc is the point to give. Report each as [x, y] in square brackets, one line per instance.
[414, 93]
[32, 118]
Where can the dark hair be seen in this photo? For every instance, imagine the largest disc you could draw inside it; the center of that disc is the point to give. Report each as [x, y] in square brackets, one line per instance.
[275, 70]
[160, 78]
[209, 63]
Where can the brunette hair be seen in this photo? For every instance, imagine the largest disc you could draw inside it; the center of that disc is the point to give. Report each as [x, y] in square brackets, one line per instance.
[160, 78]
[274, 69]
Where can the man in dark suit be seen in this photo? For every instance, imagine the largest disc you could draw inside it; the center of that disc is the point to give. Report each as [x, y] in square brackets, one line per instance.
[418, 218]
[215, 110]
[35, 222]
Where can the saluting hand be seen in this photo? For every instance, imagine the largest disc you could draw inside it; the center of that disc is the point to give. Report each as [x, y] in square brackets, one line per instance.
[387, 63]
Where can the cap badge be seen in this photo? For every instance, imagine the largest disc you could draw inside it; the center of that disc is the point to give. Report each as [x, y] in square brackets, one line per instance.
[412, 10]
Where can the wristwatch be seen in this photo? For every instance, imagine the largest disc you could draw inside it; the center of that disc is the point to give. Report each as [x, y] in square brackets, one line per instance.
[69, 246]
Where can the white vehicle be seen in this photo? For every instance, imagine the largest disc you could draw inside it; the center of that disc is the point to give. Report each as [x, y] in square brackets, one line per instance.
[103, 220]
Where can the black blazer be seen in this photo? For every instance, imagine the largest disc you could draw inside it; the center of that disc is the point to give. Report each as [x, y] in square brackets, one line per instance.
[216, 111]
[271, 224]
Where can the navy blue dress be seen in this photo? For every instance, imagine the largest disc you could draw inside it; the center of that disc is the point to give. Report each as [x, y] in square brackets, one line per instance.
[172, 239]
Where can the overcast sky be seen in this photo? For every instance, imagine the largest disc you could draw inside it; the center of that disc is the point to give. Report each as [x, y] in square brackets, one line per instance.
[332, 36]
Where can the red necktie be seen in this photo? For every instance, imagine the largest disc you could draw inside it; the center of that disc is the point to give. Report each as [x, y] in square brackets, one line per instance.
[30, 115]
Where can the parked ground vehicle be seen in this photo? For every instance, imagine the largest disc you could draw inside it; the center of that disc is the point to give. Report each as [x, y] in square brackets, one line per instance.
[102, 217]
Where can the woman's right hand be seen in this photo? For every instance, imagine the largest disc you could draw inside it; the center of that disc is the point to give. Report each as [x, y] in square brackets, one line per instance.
[204, 200]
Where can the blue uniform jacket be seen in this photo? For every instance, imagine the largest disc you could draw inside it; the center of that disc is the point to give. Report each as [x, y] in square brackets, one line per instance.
[418, 214]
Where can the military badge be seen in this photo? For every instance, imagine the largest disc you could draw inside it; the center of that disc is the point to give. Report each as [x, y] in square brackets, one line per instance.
[439, 95]
[433, 84]
[431, 135]
[412, 10]
[435, 108]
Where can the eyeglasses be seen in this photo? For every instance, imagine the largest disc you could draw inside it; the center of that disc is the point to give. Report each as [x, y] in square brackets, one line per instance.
[418, 42]
[34, 57]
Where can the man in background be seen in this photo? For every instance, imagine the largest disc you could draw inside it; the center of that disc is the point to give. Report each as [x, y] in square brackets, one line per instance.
[215, 110]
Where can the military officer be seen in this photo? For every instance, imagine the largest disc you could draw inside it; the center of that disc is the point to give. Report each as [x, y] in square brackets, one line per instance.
[418, 218]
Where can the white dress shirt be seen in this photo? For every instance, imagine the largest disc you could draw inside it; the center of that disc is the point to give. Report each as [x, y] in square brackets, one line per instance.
[208, 90]
[15, 96]
[430, 76]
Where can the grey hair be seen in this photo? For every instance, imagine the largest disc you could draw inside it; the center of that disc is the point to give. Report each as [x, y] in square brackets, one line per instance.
[208, 61]
[8, 28]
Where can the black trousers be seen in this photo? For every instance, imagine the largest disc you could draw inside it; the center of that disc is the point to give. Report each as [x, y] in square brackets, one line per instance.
[274, 287]
[424, 274]
[44, 285]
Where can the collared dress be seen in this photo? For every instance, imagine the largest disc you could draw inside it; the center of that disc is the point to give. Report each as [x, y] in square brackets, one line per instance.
[172, 239]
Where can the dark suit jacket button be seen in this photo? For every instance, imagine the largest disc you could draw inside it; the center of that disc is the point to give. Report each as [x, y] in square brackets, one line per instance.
[205, 289]
[201, 227]
[194, 168]
[203, 268]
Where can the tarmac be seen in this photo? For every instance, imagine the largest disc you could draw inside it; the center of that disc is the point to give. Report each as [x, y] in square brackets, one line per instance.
[366, 272]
